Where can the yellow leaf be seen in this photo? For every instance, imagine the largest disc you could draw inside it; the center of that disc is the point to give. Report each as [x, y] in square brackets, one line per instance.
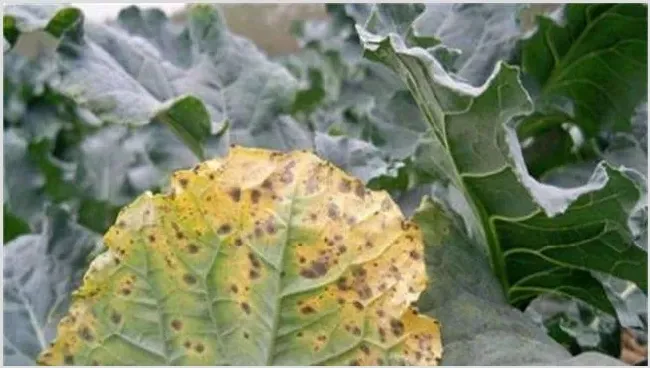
[260, 258]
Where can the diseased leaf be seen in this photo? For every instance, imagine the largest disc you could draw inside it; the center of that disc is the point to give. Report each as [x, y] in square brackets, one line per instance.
[258, 258]
[40, 272]
[479, 326]
[540, 238]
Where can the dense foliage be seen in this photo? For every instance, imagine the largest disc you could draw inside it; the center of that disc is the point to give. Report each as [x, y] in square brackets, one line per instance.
[520, 153]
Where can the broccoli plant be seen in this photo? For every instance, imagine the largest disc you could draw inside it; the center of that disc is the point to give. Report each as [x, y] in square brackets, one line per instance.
[439, 184]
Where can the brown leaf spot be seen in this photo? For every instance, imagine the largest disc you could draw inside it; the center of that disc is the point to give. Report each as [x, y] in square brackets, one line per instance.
[358, 305]
[224, 229]
[253, 274]
[254, 261]
[235, 194]
[414, 254]
[177, 325]
[86, 334]
[356, 330]
[238, 242]
[199, 348]
[192, 248]
[343, 249]
[333, 211]
[187, 344]
[365, 349]
[266, 184]
[116, 317]
[322, 338]
[345, 186]
[255, 196]
[246, 307]
[234, 288]
[359, 190]
[183, 182]
[189, 279]
[270, 227]
[126, 291]
[316, 270]
[246, 335]
[397, 327]
[152, 238]
[307, 310]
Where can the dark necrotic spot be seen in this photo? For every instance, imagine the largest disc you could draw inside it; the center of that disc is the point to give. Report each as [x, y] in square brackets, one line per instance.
[183, 182]
[116, 317]
[224, 229]
[254, 261]
[86, 334]
[322, 338]
[355, 362]
[397, 327]
[333, 211]
[359, 190]
[238, 242]
[192, 248]
[187, 344]
[270, 227]
[356, 331]
[266, 184]
[255, 196]
[126, 291]
[211, 176]
[258, 232]
[177, 325]
[199, 348]
[317, 269]
[299, 334]
[253, 274]
[302, 260]
[246, 307]
[414, 254]
[358, 305]
[189, 279]
[234, 288]
[341, 284]
[246, 336]
[68, 360]
[152, 238]
[121, 224]
[365, 349]
[345, 186]
[364, 292]
[235, 194]
[342, 249]
[307, 310]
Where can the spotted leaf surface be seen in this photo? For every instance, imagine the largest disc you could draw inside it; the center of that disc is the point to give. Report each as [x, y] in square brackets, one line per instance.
[259, 258]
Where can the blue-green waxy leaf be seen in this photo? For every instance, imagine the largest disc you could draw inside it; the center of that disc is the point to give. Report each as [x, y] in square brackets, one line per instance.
[40, 272]
[540, 238]
[479, 327]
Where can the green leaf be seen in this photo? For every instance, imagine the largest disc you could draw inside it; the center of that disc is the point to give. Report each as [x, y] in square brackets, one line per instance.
[322, 273]
[590, 61]
[13, 226]
[483, 34]
[540, 238]
[479, 326]
[40, 272]
[183, 110]
[24, 184]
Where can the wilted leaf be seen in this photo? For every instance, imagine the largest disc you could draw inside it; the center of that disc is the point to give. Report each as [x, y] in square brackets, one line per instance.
[40, 272]
[540, 238]
[258, 258]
